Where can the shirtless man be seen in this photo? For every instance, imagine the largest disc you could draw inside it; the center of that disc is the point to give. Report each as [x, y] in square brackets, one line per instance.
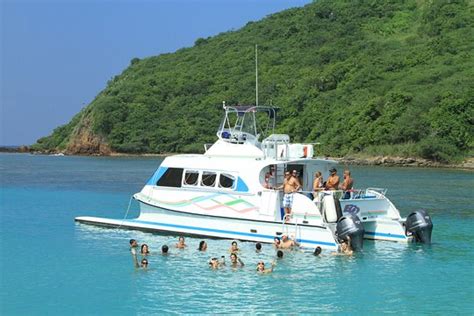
[347, 184]
[235, 261]
[290, 186]
[181, 244]
[287, 243]
[333, 181]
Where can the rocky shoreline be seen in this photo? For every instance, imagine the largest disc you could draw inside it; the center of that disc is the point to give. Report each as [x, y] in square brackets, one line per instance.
[387, 161]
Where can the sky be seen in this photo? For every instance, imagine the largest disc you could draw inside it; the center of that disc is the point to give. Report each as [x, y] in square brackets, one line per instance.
[56, 56]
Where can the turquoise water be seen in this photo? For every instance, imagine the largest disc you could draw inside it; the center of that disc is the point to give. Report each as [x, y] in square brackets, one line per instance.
[51, 265]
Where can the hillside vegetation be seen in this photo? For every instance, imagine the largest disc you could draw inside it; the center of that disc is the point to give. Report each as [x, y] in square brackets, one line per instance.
[360, 77]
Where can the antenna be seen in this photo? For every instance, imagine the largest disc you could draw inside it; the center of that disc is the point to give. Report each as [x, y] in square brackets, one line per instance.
[256, 75]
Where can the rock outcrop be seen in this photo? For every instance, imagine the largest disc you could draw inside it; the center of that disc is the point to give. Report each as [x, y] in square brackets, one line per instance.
[84, 142]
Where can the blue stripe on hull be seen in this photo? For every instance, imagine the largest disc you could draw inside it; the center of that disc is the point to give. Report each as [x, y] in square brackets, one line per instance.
[385, 235]
[314, 242]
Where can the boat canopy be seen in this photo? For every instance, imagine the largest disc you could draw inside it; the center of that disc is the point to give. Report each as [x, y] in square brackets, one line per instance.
[246, 123]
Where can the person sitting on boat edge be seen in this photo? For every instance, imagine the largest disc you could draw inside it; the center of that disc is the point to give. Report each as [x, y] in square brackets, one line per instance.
[235, 261]
[144, 251]
[261, 267]
[202, 246]
[333, 181]
[347, 184]
[234, 248]
[133, 246]
[181, 244]
[287, 243]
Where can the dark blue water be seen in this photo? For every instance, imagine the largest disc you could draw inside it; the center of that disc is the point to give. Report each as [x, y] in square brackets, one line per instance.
[50, 265]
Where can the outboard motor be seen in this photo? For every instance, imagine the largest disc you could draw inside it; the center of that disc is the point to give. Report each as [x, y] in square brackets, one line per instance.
[351, 225]
[419, 225]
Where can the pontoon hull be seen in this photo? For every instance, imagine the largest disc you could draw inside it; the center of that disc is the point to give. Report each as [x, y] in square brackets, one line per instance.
[161, 220]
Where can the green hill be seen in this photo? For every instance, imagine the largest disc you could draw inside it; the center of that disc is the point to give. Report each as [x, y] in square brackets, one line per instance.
[370, 77]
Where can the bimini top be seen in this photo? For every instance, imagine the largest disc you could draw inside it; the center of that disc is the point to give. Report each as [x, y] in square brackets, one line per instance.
[246, 123]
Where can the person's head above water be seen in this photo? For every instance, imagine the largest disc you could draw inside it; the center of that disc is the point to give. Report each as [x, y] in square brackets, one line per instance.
[234, 245]
[133, 243]
[258, 246]
[280, 254]
[261, 266]
[164, 249]
[202, 245]
[276, 240]
[233, 257]
[317, 251]
[181, 239]
[214, 263]
[284, 238]
[144, 249]
[144, 263]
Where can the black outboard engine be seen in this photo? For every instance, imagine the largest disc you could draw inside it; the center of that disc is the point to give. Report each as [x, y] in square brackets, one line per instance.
[419, 225]
[351, 225]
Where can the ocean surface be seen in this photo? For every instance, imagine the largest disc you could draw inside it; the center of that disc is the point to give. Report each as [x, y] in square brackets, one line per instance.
[51, 265]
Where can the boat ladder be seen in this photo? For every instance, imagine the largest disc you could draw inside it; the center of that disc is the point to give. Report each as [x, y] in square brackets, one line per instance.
[285, 228]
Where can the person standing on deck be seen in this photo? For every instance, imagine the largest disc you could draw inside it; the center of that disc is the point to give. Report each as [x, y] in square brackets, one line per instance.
[333, 181]
[290, 186]
[347, 184]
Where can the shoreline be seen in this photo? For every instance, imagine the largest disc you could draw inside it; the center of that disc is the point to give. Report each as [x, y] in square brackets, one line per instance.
[385, 161]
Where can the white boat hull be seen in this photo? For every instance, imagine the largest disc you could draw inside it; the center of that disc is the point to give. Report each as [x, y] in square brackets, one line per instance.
[157, 219]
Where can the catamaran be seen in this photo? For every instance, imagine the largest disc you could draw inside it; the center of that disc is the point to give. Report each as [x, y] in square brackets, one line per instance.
[232, 191]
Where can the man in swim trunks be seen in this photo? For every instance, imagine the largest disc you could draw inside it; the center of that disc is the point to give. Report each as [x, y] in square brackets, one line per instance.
[333, 181]
[290, 186]
[347, 184]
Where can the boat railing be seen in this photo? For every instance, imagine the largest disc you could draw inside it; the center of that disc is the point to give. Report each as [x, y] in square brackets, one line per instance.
[352, 194]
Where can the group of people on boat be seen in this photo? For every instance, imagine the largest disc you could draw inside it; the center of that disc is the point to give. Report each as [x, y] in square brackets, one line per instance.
[292, 184]
[279, 244]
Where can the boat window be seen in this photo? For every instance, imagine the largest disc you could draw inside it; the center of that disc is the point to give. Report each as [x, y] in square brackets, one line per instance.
[226, 181]
[208, 179]
[191, 177]
[171, 178]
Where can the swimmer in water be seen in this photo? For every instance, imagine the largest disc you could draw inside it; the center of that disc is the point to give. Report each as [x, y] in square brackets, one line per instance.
[276, 242]
[202, 246]
[280, 254]
[144, 250]
[144, 263]
[261, 267]
[164, 250]
[287, 243]
[235, 262]
[346, 247]
[234, 248]
[214, 263]
[133, 246]
[317, 251]
[181, 244]
[258, 247]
